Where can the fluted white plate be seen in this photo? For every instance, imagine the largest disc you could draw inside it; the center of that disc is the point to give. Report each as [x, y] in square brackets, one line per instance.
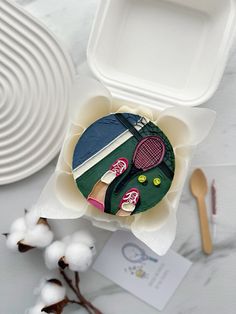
[36, 76]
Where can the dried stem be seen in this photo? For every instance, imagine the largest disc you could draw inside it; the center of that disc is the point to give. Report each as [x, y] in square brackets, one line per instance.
[68, 281]
[77, 280]
[74, 302]
[82, 300]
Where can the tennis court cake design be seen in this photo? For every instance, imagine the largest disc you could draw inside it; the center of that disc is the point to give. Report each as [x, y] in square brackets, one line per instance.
[111, 155]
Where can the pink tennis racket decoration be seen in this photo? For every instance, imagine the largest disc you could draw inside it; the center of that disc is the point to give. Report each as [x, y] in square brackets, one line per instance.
[148, 154]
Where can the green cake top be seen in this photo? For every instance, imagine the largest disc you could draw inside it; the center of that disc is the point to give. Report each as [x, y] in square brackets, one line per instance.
[123, 164]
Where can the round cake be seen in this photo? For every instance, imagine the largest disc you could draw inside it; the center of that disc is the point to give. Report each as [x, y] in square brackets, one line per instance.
[123, 164]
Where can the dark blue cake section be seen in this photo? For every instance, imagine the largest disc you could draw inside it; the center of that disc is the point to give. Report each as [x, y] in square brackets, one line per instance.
[99, 135]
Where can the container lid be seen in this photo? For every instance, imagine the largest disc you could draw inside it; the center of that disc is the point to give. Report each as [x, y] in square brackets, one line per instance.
[162, 52]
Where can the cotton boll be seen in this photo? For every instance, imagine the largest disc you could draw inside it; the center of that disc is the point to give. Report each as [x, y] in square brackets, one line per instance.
[53, 253]
[40, 236]
[83, 237]
[13, 239]
[52, 293]
[32, 217]
[19, 225]
[38, 289]
[86, 238]
[78, 256]
[36, 309]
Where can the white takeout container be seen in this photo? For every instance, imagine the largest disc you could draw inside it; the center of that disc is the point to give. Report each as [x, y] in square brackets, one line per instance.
[160, 52]
[157, 58]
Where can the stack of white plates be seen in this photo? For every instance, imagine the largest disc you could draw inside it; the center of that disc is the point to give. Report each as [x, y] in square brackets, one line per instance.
[35, 82]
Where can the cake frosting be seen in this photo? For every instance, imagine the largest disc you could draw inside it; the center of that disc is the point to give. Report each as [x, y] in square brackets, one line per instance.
[123, 164]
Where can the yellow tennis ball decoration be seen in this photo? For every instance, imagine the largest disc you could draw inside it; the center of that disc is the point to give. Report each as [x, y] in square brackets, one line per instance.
[142, 178]
[157, 181]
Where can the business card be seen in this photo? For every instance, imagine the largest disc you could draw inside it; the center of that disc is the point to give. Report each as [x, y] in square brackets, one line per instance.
[137, 269]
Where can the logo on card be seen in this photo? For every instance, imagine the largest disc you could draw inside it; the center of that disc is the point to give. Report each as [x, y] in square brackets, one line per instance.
[136, 255]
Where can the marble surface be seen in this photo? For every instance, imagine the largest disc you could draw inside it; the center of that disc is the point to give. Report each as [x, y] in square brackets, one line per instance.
[211, 283]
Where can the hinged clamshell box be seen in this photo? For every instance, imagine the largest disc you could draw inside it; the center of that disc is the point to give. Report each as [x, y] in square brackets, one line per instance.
[155, 58]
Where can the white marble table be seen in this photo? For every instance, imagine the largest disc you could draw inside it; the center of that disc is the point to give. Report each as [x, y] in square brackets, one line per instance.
[210, 286]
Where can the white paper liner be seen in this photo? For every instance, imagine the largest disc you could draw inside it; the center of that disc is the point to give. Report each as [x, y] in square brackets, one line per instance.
[185, 128]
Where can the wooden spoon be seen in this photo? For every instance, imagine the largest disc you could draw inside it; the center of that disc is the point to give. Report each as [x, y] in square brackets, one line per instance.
[198, 186]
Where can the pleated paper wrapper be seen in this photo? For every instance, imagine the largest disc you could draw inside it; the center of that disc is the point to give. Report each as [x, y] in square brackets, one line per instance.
[185, 128]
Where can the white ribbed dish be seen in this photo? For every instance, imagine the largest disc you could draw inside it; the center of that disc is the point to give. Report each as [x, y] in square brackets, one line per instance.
[36, 77]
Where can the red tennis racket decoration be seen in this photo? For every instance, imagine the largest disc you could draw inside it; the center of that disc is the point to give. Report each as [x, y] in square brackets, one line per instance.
[148, 154]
